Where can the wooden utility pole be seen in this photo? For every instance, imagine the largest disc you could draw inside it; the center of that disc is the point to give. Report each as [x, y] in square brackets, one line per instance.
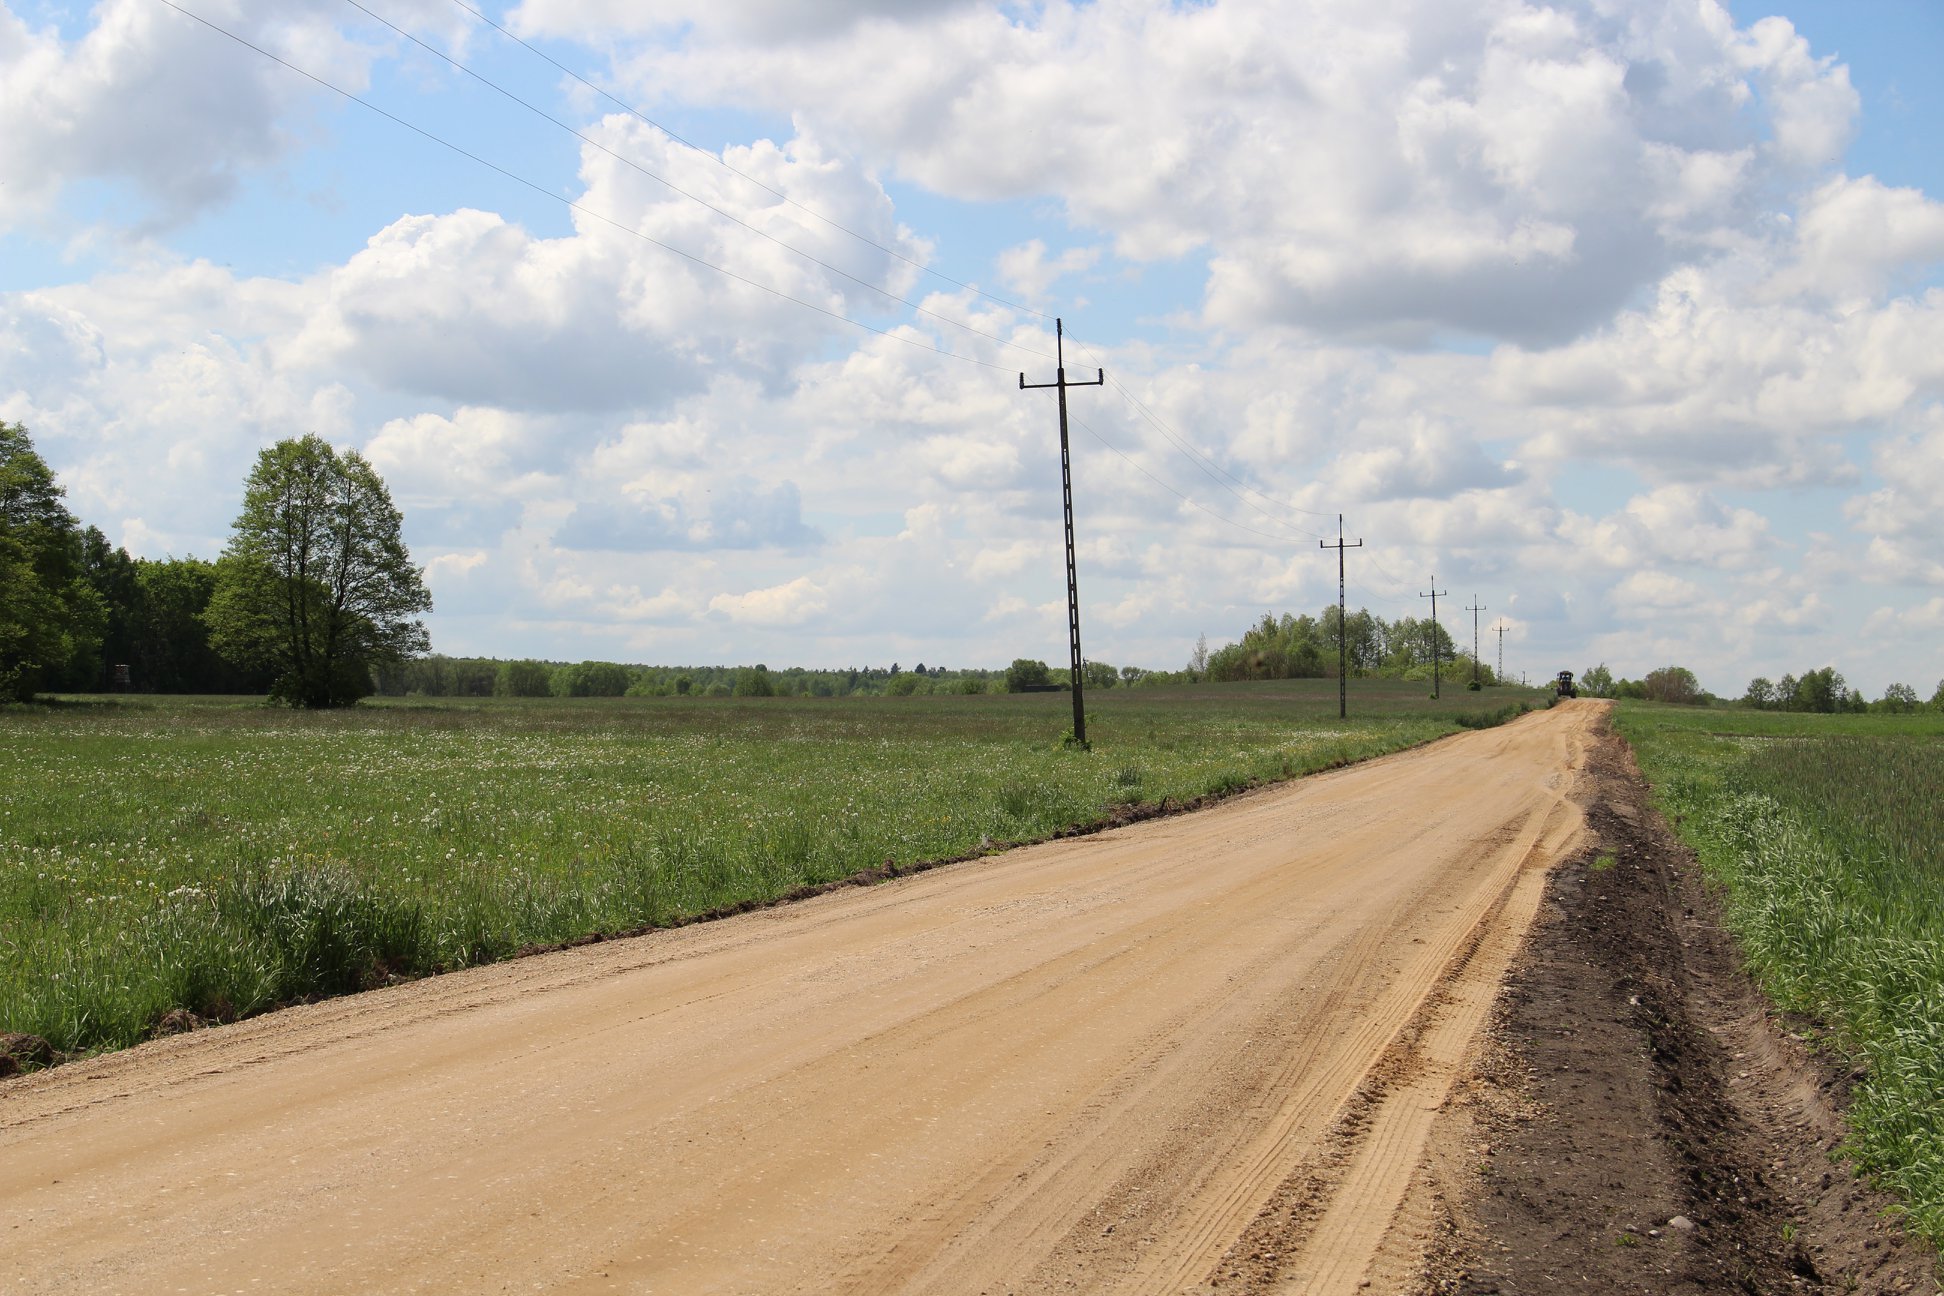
[1343, 625]
[1475, 610]
[1066, 501]
[1436, 632]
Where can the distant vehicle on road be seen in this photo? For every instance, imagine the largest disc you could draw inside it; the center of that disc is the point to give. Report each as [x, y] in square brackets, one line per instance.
[1564, 686]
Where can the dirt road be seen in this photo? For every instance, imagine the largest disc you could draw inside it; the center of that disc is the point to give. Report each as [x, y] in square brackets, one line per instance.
[1088, 1065]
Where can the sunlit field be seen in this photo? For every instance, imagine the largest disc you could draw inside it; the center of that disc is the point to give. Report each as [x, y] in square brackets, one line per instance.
[1825, 832]
[170, 860]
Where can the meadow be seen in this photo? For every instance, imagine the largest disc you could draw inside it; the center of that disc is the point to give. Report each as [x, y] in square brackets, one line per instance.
[168, 861]
[1824, 833]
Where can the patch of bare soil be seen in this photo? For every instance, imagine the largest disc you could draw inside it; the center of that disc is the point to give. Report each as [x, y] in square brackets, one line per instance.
[23, 1053]
[1642, 1121]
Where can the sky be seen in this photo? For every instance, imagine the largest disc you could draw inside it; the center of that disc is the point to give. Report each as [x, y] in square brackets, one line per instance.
[691, 332]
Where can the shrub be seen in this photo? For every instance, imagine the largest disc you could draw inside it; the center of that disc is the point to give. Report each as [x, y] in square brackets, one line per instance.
[1672, 684]
[1024, 674]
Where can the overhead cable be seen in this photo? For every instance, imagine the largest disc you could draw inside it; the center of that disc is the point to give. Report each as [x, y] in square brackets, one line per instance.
[582, 208]
[1208, 465]
[1202, 461]
[629, 162]
[1184, 498]
[724, 163]
[1388, 574]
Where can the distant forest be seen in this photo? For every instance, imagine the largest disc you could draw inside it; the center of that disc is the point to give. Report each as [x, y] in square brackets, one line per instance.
[1289, 647]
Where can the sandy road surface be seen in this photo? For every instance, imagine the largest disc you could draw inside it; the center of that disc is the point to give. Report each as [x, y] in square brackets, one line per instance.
[1084, 1065]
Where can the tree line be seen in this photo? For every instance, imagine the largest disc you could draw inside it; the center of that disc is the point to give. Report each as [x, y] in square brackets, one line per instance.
[438, 675]
[1827, 692]
[313, 592]
[1822, 691]
[1302, 646]
[1676, 684]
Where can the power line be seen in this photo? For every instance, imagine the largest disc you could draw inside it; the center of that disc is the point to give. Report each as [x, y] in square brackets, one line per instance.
[1390, 576]
[1214, 470]
[577, 206]
[1370, 596]
[1189, 500]
[591, 142]
[723, 163]
[1395, 592]
[1207, 464]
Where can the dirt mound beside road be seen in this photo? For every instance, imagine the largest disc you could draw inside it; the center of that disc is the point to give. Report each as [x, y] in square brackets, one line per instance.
[23, 1052]
[1638, 1078]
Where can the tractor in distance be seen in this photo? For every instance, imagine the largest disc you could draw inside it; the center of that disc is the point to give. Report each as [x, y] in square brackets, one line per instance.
[1564, 686]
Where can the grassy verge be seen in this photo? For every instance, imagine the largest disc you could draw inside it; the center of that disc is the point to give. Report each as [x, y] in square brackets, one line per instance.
[1824, 832]
[161, 858]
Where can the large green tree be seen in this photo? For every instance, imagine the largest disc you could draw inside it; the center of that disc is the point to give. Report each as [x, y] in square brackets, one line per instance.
[50, 616]
[316, 581]
[1822, 690]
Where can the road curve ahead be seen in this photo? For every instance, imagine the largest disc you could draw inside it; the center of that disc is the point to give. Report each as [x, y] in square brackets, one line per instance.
[1086, 1065]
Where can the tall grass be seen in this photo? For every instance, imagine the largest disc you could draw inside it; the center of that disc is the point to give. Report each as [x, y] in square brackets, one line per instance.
[1826, 838]
[192, 857]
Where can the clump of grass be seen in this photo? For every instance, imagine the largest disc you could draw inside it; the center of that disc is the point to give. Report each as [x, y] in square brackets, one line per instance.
[1491, 718]
[1827, 840]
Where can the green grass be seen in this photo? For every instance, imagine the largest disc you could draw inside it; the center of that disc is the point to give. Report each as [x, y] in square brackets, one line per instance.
[221, 858]
[1824, 830]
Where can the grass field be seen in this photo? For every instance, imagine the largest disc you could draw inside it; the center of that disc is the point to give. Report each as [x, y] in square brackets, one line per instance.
[219, 857]
[1824, 831]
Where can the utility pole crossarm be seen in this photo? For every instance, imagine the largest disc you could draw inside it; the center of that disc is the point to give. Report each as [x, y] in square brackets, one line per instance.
[1064, 382]
[1343, 626]
[1060, 384]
